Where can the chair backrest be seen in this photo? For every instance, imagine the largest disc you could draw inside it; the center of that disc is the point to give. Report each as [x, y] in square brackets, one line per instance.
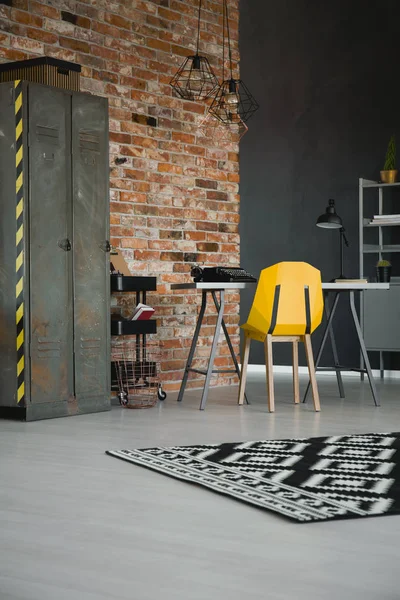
[288, 300]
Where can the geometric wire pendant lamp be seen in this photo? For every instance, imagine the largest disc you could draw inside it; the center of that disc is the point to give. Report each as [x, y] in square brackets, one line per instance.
[233, 101]
[195, 79]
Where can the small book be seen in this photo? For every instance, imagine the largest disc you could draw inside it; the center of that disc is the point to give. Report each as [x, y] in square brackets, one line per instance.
[142, 312]
[351, 280]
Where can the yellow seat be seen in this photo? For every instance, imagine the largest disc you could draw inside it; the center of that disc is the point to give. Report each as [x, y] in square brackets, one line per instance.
[287, 307]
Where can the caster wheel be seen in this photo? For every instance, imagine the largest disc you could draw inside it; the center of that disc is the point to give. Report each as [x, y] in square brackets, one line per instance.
[161, 394]
[123, 398]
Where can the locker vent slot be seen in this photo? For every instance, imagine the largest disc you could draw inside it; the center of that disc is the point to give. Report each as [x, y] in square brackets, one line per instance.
[89, 141]
[90, 347]
[48, 348]
[47, 135]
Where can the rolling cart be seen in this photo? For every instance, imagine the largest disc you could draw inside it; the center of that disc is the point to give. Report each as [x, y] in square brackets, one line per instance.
[135, 363]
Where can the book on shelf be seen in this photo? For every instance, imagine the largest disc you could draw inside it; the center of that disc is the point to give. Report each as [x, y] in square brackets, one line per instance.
[351, 280]
[142, 312]
[386, 218]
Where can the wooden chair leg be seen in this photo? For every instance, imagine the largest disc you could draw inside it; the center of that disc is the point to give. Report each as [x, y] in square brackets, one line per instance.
[243, 370]
[270, 372]
[296, 387]
[311, 370]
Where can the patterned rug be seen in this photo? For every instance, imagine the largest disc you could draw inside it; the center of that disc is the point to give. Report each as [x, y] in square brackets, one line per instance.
[316, 479]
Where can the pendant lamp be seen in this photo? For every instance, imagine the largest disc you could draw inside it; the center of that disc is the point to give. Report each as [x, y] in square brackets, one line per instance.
[233, 100]
[211, 128]
[195, 79]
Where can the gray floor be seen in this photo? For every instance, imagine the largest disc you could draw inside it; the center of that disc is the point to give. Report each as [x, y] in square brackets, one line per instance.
[77, 524]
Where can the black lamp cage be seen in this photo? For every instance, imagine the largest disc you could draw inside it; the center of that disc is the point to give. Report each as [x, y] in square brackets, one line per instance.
[195, 79]
[233, 101]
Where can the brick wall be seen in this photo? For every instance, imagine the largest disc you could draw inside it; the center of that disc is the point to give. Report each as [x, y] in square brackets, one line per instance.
[174, 192]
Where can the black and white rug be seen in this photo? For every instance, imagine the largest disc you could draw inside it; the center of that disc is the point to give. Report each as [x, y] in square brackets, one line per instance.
[307, 480]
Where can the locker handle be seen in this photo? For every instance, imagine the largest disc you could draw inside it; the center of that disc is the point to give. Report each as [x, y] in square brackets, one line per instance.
[65, 245]
[105, 246]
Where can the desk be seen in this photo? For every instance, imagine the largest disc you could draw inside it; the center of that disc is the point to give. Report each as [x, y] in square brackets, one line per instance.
[337, 289]
[211, 288]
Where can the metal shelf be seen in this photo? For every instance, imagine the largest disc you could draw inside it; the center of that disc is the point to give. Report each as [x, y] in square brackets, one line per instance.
[375, 248]
[128, 327]
[367, 183]
[368, 224]
[129, 283]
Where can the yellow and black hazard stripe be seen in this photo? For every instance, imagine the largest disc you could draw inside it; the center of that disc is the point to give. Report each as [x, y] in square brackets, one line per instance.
[19, 181]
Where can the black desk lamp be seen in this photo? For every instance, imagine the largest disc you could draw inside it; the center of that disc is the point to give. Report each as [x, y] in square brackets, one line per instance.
[331, 220]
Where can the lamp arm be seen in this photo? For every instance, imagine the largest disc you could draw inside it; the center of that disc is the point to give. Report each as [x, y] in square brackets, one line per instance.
[342, 233]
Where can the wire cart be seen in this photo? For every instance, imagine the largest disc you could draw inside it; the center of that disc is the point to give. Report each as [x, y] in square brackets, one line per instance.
[137, 368]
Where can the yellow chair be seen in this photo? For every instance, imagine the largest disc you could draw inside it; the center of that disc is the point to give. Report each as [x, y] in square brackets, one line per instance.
[287, 307]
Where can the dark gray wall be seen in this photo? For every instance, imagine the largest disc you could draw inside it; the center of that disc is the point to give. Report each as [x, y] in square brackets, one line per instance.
[326, 77]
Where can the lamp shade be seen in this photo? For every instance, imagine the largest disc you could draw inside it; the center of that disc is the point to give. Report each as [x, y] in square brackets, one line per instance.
[195, 79]
[330, 219]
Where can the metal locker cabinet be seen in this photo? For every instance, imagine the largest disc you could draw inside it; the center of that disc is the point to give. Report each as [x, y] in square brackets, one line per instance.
[54, 297]
[50, 229]
[90, 174]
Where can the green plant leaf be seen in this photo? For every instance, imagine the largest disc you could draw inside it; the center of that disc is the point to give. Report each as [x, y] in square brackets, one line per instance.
[390, 160]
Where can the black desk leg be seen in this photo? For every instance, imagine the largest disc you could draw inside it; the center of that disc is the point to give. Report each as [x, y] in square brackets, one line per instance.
[335, 354]
[193, 346]
[213, 350]
[363, 349]
[324, 338]
[228, 341]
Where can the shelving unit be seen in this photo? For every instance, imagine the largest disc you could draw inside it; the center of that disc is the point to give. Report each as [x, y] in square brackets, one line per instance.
[380, 310]
[121, 327]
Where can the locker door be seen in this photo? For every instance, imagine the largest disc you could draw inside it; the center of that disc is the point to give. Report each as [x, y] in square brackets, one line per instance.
[49, 231]
[90, 169]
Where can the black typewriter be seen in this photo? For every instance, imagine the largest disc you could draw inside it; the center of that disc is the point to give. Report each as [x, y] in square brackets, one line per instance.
[221, 275]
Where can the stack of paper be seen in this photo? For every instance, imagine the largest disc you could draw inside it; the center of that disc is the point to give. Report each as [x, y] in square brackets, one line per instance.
[386, 220]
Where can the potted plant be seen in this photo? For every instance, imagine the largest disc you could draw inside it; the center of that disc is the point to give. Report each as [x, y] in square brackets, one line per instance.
[383, 270]
[389, 173]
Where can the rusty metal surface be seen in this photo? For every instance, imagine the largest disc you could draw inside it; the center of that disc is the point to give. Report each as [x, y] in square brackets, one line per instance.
[50, 265]
[67, 327]
[91, 261]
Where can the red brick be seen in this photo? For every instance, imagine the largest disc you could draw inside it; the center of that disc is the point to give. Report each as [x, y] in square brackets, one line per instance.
[167, 168]
[83, 22]
[132, 174]
[26, 18]
[116, 20]
[4, 39]
[21, 4]
[169, 15]
[206, 183]
[133, 243]
[43, 9]
[234, 177]
[104, 52]
[106, 29]
[122, 138]
[206, 226]
[73, 44]
[27, 45]
[147, 255]
[122, 207]
[186, 138]
[12, 54]
[207, 247]
[159, 45]
[43, 36]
